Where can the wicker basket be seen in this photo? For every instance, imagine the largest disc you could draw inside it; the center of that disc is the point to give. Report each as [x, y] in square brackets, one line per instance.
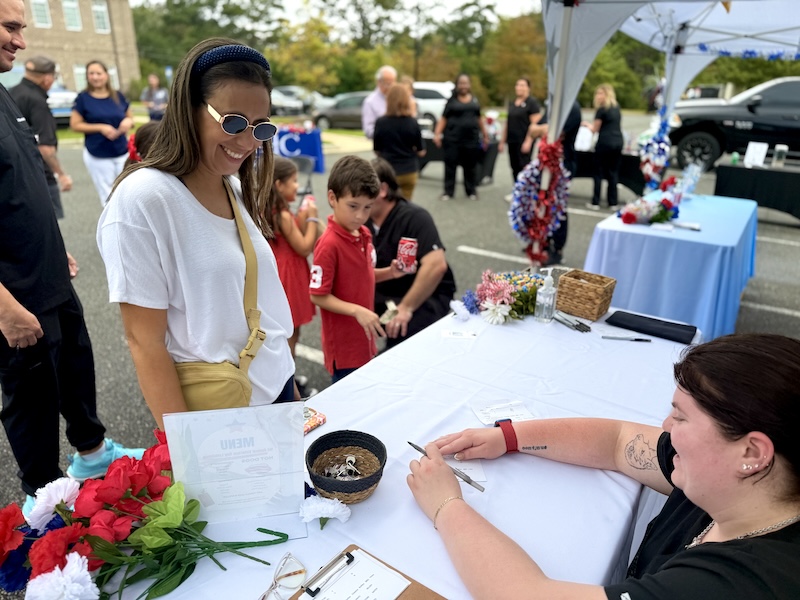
[584, 295]
[331, 449]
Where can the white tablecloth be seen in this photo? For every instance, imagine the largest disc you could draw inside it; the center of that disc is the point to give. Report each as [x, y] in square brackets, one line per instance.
[694, 277]
[576, 522]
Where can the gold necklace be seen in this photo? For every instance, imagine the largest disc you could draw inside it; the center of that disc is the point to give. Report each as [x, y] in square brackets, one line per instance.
[699, 538]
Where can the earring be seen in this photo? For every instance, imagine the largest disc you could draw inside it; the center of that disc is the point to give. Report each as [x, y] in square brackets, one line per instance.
[746, 467]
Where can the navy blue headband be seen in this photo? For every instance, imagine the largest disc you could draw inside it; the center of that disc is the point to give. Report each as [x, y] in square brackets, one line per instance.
[231, 53]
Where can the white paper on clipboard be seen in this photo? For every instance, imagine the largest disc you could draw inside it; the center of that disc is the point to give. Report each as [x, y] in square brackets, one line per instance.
[365, 578]
[492, 409]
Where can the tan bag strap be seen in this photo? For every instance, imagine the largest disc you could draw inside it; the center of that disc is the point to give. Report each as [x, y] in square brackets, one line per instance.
[257, 335]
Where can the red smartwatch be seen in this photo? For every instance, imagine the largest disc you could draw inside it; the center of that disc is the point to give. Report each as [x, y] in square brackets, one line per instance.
[508, 433]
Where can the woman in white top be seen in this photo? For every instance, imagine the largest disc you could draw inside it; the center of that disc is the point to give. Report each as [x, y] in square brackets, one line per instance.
[168, 236]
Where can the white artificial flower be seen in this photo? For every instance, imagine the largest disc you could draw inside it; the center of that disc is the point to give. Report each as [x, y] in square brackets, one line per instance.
[73, 582]
[317, 507]
[63, 490]
[459, 310]
[495, 314]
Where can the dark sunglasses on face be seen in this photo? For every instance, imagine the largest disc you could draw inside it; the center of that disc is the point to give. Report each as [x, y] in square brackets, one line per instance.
[235, 124]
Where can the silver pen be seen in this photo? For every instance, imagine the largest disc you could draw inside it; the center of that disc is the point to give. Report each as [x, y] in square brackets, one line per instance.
[625, 338]
[458, 473]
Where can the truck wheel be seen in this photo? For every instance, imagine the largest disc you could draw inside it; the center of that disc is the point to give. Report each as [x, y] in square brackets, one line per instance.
[699, 147]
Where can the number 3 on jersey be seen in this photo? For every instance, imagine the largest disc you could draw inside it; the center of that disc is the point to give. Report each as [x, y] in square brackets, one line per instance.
[316, 277]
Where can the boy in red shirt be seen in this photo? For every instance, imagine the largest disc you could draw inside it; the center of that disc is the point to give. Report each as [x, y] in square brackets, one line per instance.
[343, 275]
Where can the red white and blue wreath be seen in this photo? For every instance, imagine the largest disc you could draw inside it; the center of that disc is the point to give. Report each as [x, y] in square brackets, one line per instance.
[535, 213]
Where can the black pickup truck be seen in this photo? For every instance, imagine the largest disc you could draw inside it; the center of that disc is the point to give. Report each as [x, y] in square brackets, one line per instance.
[768, 112]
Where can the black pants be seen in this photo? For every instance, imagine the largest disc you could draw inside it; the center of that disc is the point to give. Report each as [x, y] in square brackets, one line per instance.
[606, 167]
[518, 159]
[55, 375]
[465, 156]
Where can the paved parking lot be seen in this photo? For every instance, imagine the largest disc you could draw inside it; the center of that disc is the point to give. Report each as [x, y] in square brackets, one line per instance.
[477, 237]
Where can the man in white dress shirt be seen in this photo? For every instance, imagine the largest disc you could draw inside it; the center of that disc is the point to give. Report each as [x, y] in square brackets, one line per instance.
[375, 104]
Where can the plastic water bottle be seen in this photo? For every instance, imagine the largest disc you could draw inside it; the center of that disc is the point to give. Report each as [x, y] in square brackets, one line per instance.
[735, 158]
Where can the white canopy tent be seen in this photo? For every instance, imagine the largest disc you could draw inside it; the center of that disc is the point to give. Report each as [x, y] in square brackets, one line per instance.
[691, 32]
[693, 35]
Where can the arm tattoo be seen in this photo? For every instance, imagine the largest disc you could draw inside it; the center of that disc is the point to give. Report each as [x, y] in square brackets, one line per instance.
[534, 448]
[640, 455]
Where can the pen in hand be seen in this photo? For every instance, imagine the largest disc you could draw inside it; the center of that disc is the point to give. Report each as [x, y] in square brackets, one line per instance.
[458, 473]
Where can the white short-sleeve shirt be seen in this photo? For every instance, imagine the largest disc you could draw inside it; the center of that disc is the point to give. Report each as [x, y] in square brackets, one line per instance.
[164, 250]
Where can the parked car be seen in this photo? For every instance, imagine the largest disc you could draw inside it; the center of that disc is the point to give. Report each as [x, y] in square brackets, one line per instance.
[769, 112]
[283, 105]
[431, 97]
[344, 113]
[59, 99]
[310, 100]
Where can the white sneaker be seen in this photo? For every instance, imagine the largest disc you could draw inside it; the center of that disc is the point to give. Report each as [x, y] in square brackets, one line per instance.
[592, 206]
[508, 197]
[445, 198]
[473, 197]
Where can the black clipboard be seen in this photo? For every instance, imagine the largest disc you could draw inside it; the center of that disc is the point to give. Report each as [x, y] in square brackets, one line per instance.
[415, 591]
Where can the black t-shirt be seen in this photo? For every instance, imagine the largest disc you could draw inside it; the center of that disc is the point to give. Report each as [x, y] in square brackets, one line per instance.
[33, 260]
[767, 566]
[463, 121]
[610, 135]
[407, 220]
[398, 139]
[519, 119]
[32, 103]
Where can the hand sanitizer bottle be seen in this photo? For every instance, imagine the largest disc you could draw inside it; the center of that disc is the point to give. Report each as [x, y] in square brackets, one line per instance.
[545, 299]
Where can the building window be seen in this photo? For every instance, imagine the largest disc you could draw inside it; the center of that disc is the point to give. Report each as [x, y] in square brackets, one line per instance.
[41, 13]
[72, 15]
[102, 22]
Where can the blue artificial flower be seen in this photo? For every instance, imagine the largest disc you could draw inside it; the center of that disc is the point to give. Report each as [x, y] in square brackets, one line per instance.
[14, 574]
[470, 300]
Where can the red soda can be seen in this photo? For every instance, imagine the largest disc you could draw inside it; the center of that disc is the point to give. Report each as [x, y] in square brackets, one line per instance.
[407, 254]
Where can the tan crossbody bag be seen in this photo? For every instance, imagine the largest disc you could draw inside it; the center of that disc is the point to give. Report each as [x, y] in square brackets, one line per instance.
[209, 386]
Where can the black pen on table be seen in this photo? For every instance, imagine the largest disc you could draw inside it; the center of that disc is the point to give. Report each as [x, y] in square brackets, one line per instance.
[460, 474]
[624, 338]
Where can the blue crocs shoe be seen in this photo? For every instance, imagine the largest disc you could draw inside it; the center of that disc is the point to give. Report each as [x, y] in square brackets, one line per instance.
[81, 469]
[30, 501]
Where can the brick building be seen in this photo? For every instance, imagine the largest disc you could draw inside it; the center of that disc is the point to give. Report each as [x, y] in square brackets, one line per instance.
[74, 32]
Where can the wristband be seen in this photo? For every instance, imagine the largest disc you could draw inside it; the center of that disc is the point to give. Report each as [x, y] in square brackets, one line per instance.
[509, 434]
[312, 220]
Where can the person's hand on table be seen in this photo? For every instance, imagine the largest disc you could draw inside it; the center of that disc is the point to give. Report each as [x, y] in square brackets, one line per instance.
[431, 481]
[473, 443]
[398, 326]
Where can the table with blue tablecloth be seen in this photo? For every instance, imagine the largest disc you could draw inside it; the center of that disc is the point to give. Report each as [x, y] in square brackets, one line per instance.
[290, 143]
[696, 277]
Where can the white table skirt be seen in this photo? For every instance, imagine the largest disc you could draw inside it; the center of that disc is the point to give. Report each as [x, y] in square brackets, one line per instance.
[576, 522]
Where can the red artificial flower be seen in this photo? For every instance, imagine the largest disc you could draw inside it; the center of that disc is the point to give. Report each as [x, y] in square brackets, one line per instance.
[85, 549]
[666, 204]
[667, 183]
[110, 526]
[50, 551]
[86, 504]
[628, 218]
[10, 537]
[159, 452]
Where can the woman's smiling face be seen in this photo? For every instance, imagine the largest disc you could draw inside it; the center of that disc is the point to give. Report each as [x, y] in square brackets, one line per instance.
[705, 459]
[221, 153]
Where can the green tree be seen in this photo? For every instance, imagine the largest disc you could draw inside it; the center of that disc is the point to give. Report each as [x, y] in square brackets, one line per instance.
[305, 55]
[365, 23]
[745, 73]
[506, 62]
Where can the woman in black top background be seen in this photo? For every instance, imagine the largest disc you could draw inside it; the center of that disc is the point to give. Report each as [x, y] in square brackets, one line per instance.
[460, 132]
[523, 112]
[398, 138]
[608, 149]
